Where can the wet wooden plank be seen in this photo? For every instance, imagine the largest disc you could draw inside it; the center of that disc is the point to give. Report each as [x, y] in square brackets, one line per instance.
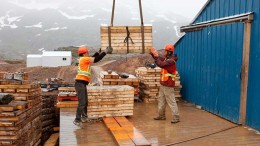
[110, 122]
[122, 130]
[123, 122]
[52, 140]
[132, 132]
[120, 135]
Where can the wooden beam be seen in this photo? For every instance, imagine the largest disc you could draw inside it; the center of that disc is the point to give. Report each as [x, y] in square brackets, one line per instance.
[244, 72]
[124, 132]
[52, 140]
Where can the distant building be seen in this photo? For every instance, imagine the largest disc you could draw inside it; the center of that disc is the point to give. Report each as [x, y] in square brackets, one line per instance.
[50, 59]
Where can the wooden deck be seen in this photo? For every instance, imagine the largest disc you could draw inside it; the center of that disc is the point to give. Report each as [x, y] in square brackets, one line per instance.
[196, 128]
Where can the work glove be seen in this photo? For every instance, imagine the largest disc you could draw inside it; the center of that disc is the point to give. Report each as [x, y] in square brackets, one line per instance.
[154, 52]
[109, 50]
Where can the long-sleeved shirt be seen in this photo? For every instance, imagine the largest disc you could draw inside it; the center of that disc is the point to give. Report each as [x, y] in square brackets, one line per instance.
[168, 64]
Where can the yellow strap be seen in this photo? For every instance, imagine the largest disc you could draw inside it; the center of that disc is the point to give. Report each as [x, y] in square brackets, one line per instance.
[170, 75]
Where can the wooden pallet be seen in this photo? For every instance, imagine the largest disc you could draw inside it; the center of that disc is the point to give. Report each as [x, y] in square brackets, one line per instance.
[118, 35]
[124, 132]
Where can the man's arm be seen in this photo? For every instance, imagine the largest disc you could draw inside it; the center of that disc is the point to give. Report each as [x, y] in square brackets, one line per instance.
[95, 55]
[161, 58]
[165, 63]
[99, 57]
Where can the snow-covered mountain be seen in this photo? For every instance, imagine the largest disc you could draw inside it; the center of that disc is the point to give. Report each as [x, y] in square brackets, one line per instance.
[33, 26]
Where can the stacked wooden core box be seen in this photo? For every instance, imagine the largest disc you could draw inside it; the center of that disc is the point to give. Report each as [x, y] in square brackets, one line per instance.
[149, 84]
[104, 101]
[20, 120]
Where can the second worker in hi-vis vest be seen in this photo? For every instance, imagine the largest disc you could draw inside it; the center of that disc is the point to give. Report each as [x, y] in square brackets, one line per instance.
[83, 79]
[167, 81]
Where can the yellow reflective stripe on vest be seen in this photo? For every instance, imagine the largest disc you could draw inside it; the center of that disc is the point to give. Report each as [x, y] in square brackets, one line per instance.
[165, 75]
[170, 75]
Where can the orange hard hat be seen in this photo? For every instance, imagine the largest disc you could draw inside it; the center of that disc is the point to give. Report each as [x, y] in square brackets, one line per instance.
[169, 47]
[82, 50]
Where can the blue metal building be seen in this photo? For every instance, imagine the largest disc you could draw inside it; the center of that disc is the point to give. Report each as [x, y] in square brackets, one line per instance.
[219, 60]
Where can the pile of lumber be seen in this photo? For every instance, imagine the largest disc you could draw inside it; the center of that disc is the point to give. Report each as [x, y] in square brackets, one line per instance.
[149, 84]
[14, 76]
[119, 34]
[48, 114]
[20, 122]
[105, 101]
[9, 78]
[115, 79]
[54, 83]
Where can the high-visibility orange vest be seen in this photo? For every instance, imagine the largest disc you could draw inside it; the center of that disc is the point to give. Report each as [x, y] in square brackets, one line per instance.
[165, 75]
[84, 70]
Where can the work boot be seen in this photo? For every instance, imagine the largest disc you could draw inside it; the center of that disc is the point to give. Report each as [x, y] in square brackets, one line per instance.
[84, 119]
[77, 123]
[159, 118]
[175, 121]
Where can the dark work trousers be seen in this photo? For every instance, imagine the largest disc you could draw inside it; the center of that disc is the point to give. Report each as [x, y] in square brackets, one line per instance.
[81, 89]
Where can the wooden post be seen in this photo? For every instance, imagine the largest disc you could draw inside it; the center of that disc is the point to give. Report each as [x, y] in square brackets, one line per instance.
[244, 72]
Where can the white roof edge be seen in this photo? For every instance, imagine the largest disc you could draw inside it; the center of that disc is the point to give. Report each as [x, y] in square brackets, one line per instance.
[56, 53]
[206, 4]
[34, 55]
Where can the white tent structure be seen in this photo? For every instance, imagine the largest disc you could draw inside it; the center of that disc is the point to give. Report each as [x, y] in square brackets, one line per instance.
[50, 59]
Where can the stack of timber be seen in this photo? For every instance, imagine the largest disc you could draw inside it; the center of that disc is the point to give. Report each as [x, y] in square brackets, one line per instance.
[119, 35]
[54, 83]
[16, 78]
[48, 114]
[149, 84]
[104, 101]
[20, 120]
[114, 79]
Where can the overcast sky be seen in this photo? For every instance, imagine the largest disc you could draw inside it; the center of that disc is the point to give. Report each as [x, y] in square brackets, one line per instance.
[187, 8]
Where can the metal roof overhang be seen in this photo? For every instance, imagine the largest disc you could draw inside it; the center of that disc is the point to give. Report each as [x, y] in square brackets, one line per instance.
[247, 17]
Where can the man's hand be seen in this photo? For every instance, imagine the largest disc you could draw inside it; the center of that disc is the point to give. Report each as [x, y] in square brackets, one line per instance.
[109, 50]
[154, 52]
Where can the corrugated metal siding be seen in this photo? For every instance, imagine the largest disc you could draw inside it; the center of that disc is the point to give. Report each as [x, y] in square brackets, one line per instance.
[210, 77]
[253, 98]
[196, 50]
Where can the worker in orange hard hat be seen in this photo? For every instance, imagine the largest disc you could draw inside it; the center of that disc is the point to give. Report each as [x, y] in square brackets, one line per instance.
[167, 63]
[83, 79]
